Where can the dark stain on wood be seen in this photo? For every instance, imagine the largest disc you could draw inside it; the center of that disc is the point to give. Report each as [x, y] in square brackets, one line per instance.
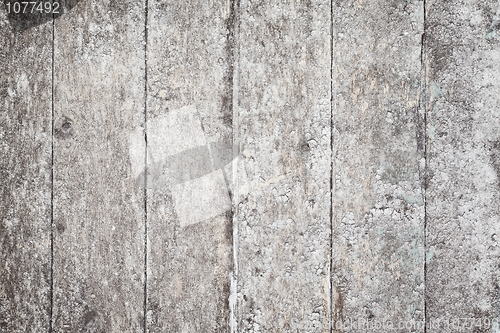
[31, 16]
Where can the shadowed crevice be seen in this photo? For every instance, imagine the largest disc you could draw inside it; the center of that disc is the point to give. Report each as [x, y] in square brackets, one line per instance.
[335, 314]
[51, 310]
[424, 146]
[145, 193]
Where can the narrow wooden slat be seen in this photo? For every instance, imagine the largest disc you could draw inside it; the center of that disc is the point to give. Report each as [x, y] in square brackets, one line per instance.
[189, 131]
[25, 183]
[463, 195]
[99, 75]
[378, 204]
[283, 175]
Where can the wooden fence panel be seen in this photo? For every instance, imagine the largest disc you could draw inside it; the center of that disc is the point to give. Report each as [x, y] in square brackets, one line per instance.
[25, 175]
[99, 101]
[250, 166]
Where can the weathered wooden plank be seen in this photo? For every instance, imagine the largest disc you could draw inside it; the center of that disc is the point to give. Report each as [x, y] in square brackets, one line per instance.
[463, 153]
[25, 177]
[99, 74]
[378, 201]
[283, 182]
[189, 130]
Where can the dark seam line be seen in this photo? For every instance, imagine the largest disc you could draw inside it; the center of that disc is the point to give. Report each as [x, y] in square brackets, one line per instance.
[331, 166]
[229, 90]
[145, 290]
[51, 312]
[230, 23]
[236, 25]
[424, 100]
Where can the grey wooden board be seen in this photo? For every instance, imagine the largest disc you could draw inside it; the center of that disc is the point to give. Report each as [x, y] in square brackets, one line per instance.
[189, 133]
[283, 174]
[378, 200]
[99, 100]
[463, 154]
[25, 177]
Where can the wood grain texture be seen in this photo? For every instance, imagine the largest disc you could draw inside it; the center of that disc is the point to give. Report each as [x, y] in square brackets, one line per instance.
[25, 177]
[99, 212]
[283, 182]
[378, 200]
[189, 130]
[463, 153]
[250, 166]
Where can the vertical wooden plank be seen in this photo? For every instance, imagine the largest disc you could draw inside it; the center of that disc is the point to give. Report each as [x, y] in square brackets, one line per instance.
[378, 201]
[25, 183]
[98, 192]
[283, 177]
[463, 195]
[189, 130]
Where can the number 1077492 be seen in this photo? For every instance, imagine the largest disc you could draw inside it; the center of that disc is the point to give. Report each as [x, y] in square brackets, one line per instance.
[33, 7]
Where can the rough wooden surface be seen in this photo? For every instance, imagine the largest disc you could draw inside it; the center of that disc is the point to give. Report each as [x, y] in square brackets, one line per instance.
[283, 182]
[25, 177]
[378, 200]
[312, 166]
[463, 150]
[98, 204]
[189, 131]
